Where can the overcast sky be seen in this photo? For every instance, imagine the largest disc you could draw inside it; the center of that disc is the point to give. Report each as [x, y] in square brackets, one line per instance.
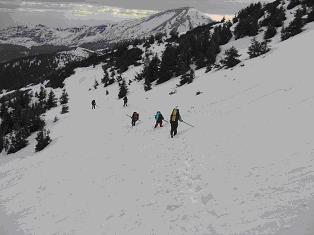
[63, 13]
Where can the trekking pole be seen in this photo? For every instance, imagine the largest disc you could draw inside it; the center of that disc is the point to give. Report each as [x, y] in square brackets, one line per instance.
[166, 121]
[188, 124]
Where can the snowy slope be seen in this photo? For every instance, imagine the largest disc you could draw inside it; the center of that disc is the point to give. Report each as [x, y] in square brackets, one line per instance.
[246, 168]
[180, 20]
[77, 54]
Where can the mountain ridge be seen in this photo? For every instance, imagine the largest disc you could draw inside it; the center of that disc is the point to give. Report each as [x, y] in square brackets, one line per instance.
[179, 20]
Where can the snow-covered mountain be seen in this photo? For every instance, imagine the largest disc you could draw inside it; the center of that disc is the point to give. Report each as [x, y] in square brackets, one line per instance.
[179, 20]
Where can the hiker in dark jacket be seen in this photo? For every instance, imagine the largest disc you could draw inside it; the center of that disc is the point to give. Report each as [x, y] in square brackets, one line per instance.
[125, 101]
[134, 118]
[158, 118]
[93, 104]
[174, 118]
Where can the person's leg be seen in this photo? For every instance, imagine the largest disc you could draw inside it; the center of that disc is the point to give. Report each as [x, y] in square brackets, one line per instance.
[172, 129]
[156, 125]
[160, 124]
[175, 128]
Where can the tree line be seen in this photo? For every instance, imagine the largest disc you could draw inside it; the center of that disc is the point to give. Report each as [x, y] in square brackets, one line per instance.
[21, 114]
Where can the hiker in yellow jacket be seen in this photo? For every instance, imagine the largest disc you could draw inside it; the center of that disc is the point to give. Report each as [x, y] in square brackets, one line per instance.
[174, 118]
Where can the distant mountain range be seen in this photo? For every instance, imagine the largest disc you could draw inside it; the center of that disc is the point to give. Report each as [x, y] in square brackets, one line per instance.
[20, 41]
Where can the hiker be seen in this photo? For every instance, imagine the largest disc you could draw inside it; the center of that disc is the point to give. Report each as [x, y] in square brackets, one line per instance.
[158, 118]
[93, 104]
[134, 118]
[125, 100]
[174, 118]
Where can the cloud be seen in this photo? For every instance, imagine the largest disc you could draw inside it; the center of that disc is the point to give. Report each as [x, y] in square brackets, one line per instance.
[65, 14]
[5, 20]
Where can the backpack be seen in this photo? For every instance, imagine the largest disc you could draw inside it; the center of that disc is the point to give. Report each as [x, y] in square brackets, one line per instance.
[135, 116]
[157, 116]
[175, 115]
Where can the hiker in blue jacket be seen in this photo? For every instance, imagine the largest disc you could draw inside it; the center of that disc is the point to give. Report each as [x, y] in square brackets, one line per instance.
[158, 118]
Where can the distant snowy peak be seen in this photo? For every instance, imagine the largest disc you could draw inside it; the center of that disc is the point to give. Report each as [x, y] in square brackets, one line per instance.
[184, 19]
[180, 20]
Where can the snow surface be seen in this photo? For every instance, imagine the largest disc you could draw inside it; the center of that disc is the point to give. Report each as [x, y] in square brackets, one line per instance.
[246, 168]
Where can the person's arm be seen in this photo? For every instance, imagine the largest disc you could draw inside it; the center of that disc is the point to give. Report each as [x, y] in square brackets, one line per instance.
[180, 119]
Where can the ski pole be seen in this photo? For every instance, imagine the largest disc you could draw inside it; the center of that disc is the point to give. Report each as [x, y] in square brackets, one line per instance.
[188, 124]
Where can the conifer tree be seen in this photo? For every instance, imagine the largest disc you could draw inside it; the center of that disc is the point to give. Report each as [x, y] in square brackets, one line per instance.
[64, 99]
[52, 100]
[231, 58]
[284, 33]
[3, 110]
[17, 140]
[292, 4]
[123, 91]
[36, 122]
[270, 32]
[209, 67]
[295, 26]
[105, 78]
[168, 64]
[43, 139]
[310, 16]
[150, 73]
[65, 109]
[257, 48]
[42, 96]
[147, 85]
[188, 77]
